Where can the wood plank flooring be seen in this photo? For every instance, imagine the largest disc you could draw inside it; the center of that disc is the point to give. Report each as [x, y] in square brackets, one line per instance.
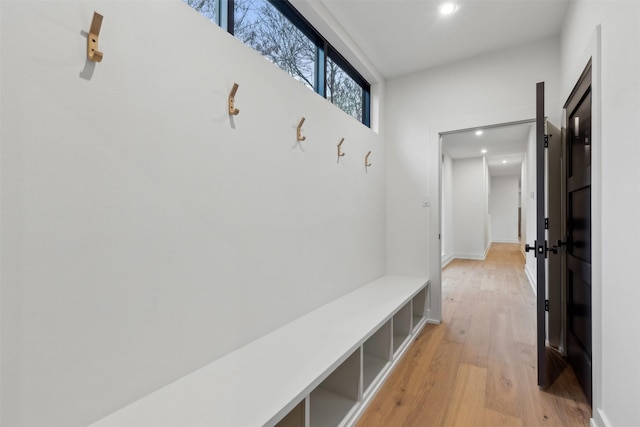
[478, 368]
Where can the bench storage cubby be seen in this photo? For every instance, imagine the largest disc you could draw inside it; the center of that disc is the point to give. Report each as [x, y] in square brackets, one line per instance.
[342, 353]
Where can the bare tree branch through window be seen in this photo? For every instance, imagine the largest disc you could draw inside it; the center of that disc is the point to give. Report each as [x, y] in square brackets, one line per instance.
[260, 25]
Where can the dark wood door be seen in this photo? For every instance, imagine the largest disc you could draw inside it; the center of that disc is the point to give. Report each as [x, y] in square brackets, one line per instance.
[548, 224]
[578, 113]
[555, 232]
[540, 244]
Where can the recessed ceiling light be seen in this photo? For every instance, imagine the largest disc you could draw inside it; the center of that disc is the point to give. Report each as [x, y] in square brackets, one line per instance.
[448, 8]
[504, 161]
[478, 132]
[483, 151]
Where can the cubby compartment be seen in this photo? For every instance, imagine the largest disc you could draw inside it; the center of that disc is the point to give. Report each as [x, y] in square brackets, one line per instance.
[334, 399]
[344, 351]
[376, 353]
[418, 304]
[401, 326]
[295, 417]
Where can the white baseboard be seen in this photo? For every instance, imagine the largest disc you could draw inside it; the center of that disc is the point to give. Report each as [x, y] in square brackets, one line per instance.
[476, 256]
[599, 419]
[447, 259]
[532, 279]
[506, 241]
[430, 318]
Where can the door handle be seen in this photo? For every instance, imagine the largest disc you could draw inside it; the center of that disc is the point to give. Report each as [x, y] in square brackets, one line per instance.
[561, 243]
[545, 251]
[535, 249]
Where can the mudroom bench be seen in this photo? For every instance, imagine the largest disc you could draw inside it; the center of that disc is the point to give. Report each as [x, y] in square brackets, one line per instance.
[321, 369]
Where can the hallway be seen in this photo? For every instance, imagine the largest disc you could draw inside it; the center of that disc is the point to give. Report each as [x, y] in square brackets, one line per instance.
[478, 368]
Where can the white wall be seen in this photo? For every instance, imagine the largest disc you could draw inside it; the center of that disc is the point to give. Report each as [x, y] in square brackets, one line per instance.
[503, 203]
[493, 88]
[447, 228]
[486, 213]
[615, 195]
[469, 208]
[144, 232]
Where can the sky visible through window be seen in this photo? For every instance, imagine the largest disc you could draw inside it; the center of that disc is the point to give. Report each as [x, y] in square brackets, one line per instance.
[343, 91]
[261, 26]
[208, 8]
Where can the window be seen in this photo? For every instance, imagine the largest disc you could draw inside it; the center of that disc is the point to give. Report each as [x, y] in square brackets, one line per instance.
[207, 8]
[260, 25]
[278, 32]
[343, 91]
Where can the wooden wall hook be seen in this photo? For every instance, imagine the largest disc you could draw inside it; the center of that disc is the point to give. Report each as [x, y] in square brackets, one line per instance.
[232, 110]
[298, 132]
[366, 160]
[92, 39]
[340, 153]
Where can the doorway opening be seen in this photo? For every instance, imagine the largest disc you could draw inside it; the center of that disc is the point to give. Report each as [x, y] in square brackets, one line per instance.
[485, 188]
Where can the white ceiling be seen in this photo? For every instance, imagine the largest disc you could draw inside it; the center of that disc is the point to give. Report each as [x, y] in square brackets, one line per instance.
[405, 36]
[401, 37]
[507, 142]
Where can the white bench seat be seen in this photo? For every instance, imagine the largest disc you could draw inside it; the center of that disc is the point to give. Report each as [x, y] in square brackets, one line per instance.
[262, 382]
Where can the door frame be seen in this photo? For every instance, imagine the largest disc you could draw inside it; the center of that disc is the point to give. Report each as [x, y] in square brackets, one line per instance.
[441, 135]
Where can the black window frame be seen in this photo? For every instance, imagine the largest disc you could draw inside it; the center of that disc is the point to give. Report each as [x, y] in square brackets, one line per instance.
[341, 62]
[324, 50]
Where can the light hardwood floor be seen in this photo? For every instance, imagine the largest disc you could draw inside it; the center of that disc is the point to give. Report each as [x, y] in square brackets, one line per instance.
[478, 368]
